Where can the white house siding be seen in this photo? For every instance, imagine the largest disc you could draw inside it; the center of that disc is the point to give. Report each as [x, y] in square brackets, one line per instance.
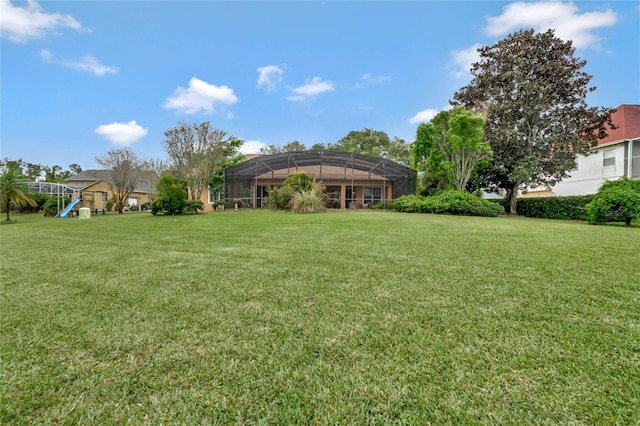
[591, 172]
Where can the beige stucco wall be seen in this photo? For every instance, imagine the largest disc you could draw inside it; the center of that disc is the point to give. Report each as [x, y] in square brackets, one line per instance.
[92, 196]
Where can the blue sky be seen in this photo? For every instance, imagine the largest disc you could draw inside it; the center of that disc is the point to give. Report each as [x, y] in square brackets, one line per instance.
[79, 78]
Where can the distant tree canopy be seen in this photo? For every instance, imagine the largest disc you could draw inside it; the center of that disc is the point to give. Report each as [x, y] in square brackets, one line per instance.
[375, 142]
[37, 172]
[288, 147]
[532, 91]
[367, 141]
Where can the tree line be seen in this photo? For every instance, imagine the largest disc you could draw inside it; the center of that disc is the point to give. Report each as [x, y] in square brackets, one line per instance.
[521, 122]
[37, 172]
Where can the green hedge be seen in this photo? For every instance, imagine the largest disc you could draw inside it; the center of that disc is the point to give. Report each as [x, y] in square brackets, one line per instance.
[567, 208]
[449, 202]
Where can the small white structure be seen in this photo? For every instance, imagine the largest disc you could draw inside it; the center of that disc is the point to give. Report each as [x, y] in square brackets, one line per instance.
[84, 213]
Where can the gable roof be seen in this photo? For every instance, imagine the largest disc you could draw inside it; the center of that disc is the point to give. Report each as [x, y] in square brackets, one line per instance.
[627, 118]
[95, 175]
[89, 175]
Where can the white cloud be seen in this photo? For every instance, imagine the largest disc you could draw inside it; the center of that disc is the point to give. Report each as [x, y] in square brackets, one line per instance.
[122, 133]
[313, 87]
[564, 18]
[199, 96]
[423, 116]
[252, 147]
[21, 24]
[463, 59]
[269, 77]
[87, 64]
[372, 80]
[375, 79]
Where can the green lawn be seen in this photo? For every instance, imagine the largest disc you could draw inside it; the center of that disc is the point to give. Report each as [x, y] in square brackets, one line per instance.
[352, 317]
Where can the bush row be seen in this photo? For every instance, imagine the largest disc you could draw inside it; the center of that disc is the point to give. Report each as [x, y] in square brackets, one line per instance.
[566, 208]
[449, 202]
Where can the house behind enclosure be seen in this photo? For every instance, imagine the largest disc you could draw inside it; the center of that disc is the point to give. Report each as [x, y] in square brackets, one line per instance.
[93, 189]
[616, 156]
[352, 180]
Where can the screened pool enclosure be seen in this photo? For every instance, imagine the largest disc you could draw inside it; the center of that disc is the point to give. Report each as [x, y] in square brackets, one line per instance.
[351, 180]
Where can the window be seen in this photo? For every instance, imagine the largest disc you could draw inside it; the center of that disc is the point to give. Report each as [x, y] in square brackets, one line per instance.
[609, 157]
[261, 193]
[371, 195]
[213, 196]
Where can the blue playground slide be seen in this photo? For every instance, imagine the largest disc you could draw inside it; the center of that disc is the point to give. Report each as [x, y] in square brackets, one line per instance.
[67, 209]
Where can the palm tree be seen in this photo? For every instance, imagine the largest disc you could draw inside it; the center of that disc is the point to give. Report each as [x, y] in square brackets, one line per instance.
[14, 189]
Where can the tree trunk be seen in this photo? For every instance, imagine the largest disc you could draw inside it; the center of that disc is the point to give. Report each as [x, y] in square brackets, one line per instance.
[8, 209]
[512, 199]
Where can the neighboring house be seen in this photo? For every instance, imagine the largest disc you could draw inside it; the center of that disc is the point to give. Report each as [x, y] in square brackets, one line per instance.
[94, 190]
[352, 180]
[616, 156]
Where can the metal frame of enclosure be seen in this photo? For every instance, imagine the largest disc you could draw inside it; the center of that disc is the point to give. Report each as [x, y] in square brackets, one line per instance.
[60, 190]
[52, 188]
[242, 180]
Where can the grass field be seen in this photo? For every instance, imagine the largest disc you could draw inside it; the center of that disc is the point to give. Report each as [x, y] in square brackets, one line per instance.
[351, 317]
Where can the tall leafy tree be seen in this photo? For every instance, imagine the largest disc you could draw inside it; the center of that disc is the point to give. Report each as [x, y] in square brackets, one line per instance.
[450, 147]
[374, 142]
[232, 156]
[196, 151]
[14, 189]
[366, 141]
[288, 147]
[125, 169]
[533, 91]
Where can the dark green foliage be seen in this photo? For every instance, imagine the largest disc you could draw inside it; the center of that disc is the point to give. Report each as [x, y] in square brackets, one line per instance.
[50, 207]
[567, 208]
[450, 149]
[533, 91]
[616, 201]
[172, 196]
[454, 202]
[277, 198]
[194, 205]
[40, 200]
[280, 198]
[14, 191]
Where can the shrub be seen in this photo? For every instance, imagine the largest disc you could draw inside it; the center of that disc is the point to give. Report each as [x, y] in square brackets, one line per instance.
[194, 205]
[298, 184]
[297, 181]
[616, 201]
[312, 199]
[40, 199]
[277, 199]
[50, 207]
[568, 208]
[409, 203]
[455, 202]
